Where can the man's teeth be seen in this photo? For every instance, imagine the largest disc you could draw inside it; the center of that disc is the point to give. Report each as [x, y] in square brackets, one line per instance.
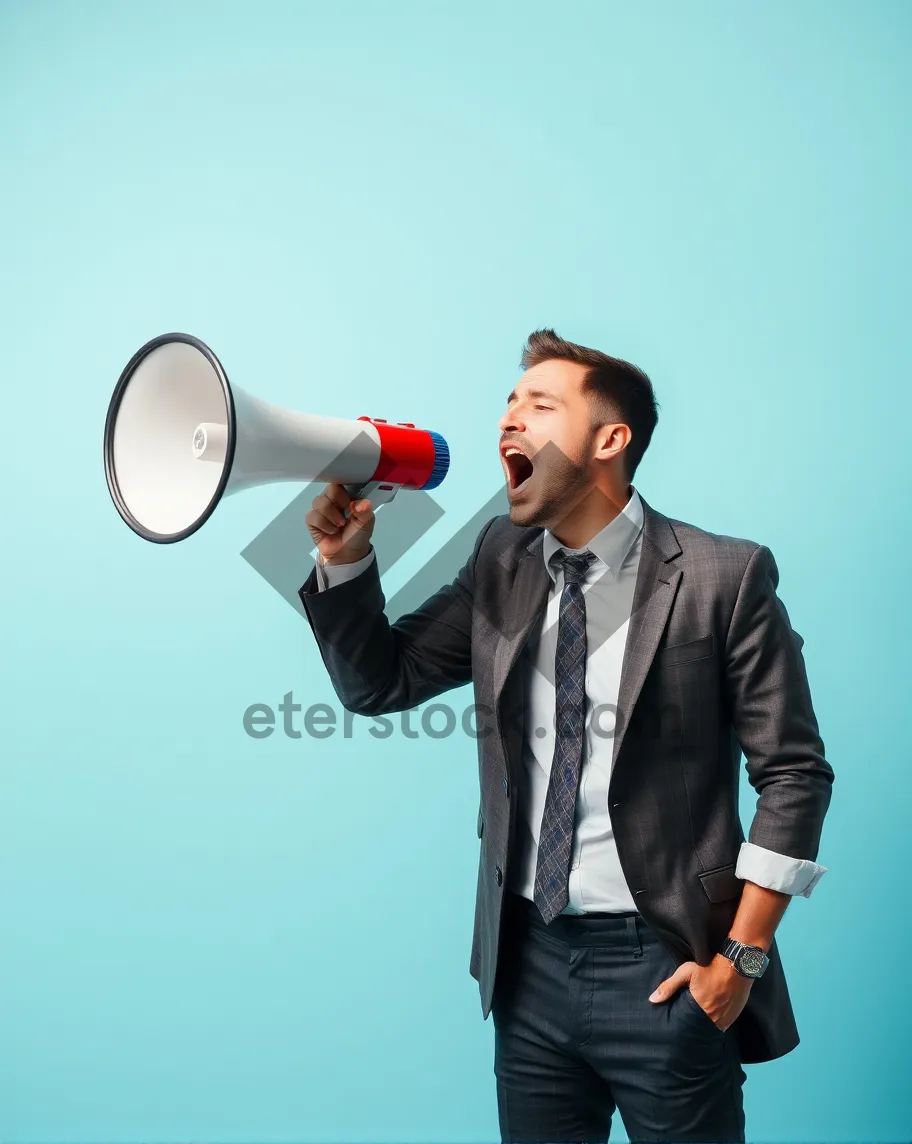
[513, 452]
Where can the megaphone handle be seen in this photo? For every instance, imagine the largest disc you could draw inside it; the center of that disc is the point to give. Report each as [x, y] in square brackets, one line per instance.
[378, 492]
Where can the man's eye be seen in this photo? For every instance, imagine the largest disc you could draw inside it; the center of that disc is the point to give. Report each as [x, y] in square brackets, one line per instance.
[542, 406]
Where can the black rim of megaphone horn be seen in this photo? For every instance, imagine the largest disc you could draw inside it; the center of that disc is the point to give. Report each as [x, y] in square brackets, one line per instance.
[111, 419]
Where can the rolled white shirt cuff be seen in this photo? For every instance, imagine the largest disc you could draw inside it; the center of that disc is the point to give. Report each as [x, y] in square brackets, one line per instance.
[329, 575]
[776, 871]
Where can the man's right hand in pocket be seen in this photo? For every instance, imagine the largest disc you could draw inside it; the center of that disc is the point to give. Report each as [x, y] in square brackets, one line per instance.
[340, 527]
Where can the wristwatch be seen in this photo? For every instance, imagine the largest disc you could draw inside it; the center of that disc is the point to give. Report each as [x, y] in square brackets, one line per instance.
[748, 960]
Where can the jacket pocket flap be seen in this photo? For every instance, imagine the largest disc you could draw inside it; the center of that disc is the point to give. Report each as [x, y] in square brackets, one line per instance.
[686, 652]
[721, 884]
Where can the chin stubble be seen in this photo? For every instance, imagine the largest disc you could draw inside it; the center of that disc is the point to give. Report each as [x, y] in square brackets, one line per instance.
[564, 484]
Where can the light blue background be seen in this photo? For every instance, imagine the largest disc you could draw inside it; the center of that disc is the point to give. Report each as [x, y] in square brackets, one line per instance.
[365, 208]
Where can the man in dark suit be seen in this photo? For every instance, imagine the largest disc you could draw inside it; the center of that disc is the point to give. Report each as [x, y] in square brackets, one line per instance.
[624, 926]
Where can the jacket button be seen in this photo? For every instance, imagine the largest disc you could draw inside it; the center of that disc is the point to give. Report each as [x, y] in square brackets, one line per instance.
[506, 786]
[615, 805]
[636, 892]
[498, 875]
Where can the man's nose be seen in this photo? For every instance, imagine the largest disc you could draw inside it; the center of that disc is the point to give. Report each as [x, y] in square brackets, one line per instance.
[511, 422]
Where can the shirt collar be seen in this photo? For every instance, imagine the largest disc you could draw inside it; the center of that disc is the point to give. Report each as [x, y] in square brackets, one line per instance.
[612, 545]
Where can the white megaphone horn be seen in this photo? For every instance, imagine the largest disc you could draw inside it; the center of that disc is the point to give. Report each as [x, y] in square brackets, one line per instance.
[179, 437]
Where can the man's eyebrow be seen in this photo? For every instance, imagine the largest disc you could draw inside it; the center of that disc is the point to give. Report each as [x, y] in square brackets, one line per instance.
[537, 393]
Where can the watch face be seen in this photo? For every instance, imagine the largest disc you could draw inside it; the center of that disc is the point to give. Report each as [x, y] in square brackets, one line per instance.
[750, 961]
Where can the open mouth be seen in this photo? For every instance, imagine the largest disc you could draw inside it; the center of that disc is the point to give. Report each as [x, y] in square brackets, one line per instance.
[519, 467]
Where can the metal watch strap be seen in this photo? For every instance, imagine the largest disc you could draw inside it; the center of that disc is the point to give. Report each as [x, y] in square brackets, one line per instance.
[731, 948]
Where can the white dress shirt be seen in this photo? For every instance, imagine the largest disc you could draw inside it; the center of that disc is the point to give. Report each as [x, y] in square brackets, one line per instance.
[596, 882]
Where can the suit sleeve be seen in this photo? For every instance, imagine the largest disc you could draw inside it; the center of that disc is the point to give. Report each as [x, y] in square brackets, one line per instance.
[773, 717]
[377, 667]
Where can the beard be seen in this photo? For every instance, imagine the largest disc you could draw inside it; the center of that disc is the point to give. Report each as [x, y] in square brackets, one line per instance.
[558, 485]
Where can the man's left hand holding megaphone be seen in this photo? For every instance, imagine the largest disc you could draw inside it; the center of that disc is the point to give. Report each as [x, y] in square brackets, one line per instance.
[340, 539]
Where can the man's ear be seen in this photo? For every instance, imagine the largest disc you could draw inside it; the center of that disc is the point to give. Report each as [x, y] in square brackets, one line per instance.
[610, 440]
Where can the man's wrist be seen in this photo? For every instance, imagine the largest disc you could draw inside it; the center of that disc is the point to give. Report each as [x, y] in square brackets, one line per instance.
[759, 912]
[762, 941]
[339, 559]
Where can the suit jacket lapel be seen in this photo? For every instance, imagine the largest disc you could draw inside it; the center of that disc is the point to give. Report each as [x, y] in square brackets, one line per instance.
[525, 603]
[655, 590]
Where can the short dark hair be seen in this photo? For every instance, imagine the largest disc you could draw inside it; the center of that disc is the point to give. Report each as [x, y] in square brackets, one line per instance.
[621, 391]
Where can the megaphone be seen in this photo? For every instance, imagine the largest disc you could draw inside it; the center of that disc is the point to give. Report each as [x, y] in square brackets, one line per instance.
[179, 437]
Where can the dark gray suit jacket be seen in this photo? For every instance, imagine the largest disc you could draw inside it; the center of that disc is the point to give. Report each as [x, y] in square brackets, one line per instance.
[711, 667]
